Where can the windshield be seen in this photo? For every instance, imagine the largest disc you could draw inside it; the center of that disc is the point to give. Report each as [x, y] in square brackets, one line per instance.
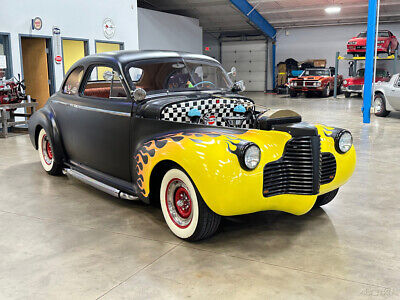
[380, 34]
[316, 72]
[172, 75]
[379, 73]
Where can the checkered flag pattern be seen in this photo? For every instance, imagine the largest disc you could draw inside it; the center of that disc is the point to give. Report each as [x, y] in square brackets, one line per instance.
[219, 107]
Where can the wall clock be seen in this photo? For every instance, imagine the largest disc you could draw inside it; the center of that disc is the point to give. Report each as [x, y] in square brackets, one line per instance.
[108, 28]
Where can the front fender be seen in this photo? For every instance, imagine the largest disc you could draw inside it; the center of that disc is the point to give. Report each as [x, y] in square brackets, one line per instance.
[210, 160]
[44, 118]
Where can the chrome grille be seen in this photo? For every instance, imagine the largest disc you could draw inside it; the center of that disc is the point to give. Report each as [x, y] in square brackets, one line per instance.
[297, 171]
[328, 167]
[355, 87]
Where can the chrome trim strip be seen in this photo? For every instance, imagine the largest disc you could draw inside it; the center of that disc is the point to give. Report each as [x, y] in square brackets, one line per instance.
[111, 112]
[99, 185]
[92, 182]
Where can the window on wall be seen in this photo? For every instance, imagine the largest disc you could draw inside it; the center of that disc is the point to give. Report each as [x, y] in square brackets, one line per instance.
[107, 47]
[73, 50]
[104, 82]
[5, 58]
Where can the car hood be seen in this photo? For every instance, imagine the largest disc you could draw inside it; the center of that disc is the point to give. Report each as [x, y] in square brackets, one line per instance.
[360, 80]
[310, 78]
[363, 41]
[153, 107]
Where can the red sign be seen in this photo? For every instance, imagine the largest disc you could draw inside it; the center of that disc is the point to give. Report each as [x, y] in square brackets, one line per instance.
[37, 23]
[58, 58]
[207, 48]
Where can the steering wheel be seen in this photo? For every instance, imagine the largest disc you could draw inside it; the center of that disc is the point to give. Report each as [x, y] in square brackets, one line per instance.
[209, 82]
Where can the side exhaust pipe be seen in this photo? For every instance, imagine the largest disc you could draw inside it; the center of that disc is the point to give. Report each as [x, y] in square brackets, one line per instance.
[99, 185]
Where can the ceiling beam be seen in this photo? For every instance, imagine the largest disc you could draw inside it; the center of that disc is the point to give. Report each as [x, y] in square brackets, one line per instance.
[337, 19]
[189, 6]
[320, 7]
[254, 17]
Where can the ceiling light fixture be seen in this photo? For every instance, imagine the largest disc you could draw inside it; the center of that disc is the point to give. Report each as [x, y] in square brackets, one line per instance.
[333, 9]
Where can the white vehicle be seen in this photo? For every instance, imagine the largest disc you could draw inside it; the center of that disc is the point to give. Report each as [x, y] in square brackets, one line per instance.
[387, 96]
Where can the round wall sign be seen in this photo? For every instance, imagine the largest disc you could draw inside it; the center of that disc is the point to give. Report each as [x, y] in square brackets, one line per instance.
[37, 23]
[108, 28]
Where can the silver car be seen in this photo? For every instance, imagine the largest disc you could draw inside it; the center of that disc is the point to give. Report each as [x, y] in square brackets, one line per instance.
[387, 96]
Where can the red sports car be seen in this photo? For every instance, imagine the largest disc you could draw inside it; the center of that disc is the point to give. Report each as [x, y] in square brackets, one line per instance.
[355, 84]
[387, 43]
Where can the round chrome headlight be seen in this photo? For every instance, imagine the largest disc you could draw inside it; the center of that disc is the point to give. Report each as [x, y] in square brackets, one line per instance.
[252, 155]
[344, 141]
[344, 81]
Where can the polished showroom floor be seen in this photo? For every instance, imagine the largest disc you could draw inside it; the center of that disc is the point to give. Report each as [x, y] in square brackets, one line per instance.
[62, 239]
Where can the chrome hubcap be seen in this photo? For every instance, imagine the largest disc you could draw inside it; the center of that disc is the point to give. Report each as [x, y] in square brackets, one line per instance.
[378, 105]
[179, 203]
[47, 152]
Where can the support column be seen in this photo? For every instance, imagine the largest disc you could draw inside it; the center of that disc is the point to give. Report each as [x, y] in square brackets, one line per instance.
[369, 61]
[336, 75]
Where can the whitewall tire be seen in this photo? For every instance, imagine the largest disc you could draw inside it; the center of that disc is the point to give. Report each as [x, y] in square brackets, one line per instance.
[46, 154]
[185, 212]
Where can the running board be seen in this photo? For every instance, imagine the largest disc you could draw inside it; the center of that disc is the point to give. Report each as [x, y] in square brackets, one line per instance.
[99, 185]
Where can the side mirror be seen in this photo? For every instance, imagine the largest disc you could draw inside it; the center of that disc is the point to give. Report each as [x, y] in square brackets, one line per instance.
[239, 86]
[138, 94]
[108, 75]
[232, 72]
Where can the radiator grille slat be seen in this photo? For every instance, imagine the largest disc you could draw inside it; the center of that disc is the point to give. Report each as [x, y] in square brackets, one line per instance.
[328, 167]
[297, 171]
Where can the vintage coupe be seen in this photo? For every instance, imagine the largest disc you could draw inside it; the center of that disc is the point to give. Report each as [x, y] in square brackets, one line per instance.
[315, 81]
[355, 84]
[170, 127]
[387, 43]
[387, 96]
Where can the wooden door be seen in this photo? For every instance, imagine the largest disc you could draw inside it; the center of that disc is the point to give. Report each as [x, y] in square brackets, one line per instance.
[35, 66]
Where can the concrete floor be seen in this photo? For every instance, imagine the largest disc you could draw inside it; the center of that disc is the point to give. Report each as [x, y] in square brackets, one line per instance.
[62, 239]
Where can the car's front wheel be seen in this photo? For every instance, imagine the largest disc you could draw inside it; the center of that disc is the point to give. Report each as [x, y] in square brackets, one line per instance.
[46, 154]
[185, 212]
[380, 106]
[347, 94]
[325, 198]
[292, 94]
[326, 91]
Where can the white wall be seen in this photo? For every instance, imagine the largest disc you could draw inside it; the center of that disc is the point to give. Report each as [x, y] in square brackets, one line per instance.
[75, 18]
[322, 42]
[163, 31]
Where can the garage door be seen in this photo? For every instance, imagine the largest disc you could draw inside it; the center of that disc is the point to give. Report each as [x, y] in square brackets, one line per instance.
[249, 58]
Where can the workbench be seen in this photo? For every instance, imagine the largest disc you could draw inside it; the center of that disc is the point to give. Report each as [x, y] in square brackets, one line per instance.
[7, 122]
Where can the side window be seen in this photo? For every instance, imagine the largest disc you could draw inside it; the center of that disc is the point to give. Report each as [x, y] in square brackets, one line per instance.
[71, 85]
[104, 82]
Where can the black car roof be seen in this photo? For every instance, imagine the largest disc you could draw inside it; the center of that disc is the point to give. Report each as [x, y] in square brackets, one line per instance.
[125, 56]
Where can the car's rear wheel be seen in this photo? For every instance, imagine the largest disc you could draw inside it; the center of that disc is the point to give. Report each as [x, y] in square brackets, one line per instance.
[389, 49]
[347, 94]
[185, 212]
[380, 106]
[326, 91]
[47, 155]
[339, 89]
[325, 198]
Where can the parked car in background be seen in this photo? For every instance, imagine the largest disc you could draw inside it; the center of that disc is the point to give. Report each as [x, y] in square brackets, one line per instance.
[355, 84]
[387, 43]
[315, 81]
[387, 96]
[170, 128]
